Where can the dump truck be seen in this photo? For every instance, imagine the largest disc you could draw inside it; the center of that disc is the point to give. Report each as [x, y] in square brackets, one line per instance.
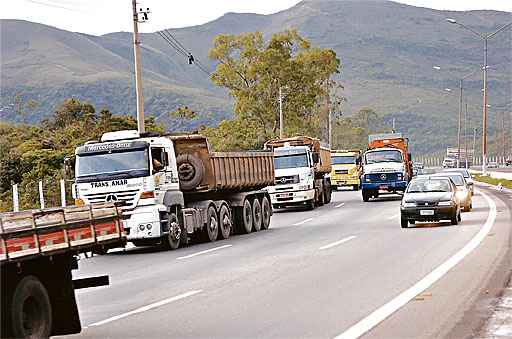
[465, 160]
[302, 168]
[174, 188]
[387, 165]
[346, 165]
[38, 251]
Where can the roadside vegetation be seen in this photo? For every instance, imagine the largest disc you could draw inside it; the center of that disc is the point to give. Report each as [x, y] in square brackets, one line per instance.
[251, 68]
[493, 181]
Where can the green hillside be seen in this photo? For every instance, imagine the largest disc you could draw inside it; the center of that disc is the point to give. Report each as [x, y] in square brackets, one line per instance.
[387, 52]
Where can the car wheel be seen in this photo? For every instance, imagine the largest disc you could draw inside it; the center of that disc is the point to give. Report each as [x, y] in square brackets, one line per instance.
[455, 219]
[459, 217]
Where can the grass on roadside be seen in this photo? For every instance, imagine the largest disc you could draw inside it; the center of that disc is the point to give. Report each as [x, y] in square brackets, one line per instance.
[493, 181]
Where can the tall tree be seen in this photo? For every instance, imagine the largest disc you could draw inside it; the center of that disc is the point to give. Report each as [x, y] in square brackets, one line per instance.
[253, 70]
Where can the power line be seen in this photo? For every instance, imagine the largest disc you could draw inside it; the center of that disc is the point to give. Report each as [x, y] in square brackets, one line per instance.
[178, 47]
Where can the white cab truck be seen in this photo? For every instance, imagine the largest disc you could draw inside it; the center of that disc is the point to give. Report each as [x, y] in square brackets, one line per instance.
[302, 172]
[173, 188]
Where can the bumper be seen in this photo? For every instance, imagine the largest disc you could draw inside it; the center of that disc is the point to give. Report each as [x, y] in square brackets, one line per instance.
[344, 181]
[292, 197]
[440, 213]
[385, 186]
[143, 222]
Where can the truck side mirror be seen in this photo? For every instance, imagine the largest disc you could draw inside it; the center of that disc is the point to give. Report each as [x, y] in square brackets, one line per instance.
[316, 158]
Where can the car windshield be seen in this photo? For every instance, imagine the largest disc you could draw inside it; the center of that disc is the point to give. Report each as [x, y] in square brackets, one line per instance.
[291, 161]
[429, 185]
[343, 159]
[116, 162]
[383, 156]
[464, 172]
[457, 179]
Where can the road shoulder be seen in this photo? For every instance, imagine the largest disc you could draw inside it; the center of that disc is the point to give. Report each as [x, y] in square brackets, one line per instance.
[458, 305]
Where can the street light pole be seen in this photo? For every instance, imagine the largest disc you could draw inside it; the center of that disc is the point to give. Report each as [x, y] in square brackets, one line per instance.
[281, 120]
[485, 38]
[458, 128]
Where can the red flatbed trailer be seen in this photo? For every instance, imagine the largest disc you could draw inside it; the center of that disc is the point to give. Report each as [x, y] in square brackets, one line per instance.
[38, 251]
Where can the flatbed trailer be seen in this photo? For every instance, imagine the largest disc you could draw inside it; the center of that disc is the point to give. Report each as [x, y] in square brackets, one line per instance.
[38, 251]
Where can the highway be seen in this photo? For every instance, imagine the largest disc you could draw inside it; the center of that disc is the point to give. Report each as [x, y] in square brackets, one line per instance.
[335, 271]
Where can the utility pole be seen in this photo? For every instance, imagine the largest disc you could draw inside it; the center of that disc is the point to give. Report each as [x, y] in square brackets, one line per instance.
[330, 127]
[138, 70]
[465, 135]
[474, 142]
[458, 126]
[281, 120]
[503, 139]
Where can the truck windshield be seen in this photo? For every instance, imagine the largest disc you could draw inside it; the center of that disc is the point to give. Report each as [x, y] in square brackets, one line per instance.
[383, 156]
[291, 161]
[343, 160]
[133, 163]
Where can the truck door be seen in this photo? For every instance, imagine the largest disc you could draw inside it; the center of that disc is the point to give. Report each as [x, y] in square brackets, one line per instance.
[161, 171]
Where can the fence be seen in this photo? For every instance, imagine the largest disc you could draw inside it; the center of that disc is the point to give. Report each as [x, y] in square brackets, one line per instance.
[44, 193]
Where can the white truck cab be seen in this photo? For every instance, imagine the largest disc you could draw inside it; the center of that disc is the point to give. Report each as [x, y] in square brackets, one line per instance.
[137, 171]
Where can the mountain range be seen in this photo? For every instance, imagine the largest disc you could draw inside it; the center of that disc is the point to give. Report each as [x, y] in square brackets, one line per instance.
[388, 52]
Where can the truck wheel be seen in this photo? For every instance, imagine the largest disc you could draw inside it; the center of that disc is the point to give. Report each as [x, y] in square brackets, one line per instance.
[257, 217]
[190, 171]
[31, 311]
[244, 218]
[211, 230]
[366, 195]
[320, 198]
[266, 213]
[355, 187]
[172, 240]
[225, 224]
[328, 192]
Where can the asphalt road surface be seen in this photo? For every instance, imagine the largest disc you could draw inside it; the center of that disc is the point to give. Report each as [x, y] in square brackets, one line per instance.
[345, 269]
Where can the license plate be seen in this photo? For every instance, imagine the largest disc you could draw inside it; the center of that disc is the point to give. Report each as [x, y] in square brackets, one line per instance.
[426, 212]
[283, 195]
[383, 187]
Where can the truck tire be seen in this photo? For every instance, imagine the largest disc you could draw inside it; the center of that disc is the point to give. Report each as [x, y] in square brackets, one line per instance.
[266, 213]
[355, 187]
[190, 171]
[211, 229]
[257, 217]
[404, 222]
[225, 223]
[366, 195]
[31, 310]
[320, 196]
[173, 239]
[244, 218]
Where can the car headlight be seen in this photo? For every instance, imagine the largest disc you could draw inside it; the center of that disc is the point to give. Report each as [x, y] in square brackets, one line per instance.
[409, 204]
[445, 203]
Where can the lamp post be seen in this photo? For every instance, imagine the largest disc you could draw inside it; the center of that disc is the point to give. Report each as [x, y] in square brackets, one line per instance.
[485, 38]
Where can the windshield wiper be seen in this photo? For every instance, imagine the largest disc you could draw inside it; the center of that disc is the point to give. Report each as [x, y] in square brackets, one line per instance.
[439, 191]
[415, 192]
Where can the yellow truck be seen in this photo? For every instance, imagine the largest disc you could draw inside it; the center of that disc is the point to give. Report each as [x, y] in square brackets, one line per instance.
[346, 165]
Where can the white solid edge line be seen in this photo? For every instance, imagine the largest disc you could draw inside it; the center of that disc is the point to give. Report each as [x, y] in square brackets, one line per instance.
[147, 307]
[336, 243]
[392, 306]
[302, 222]
[203, 252]
[339, 205]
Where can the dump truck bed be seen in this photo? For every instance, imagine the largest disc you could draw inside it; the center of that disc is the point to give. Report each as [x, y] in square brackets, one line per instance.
[26, 234]
[230, 171]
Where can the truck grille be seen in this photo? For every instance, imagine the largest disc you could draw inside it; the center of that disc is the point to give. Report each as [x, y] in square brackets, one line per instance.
[127, 197]
[286, 180]
[341, 171]
[382, 177]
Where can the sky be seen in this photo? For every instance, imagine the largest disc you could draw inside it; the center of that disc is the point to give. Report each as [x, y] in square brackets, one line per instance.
[105, 16]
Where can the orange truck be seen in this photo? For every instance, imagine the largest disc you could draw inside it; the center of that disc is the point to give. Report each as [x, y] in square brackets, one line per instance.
[387, 165]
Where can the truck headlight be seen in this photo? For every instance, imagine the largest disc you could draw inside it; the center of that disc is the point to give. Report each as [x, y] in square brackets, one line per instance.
[409, 204]
[141, 227]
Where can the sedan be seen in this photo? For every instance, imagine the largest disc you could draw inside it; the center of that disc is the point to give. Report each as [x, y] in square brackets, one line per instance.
[463, 191]
[467, 176]
[430, 198]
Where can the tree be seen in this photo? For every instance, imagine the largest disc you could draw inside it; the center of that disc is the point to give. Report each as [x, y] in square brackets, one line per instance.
[254, 70]
[23, 107]
[353, 131]
[181, 117]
